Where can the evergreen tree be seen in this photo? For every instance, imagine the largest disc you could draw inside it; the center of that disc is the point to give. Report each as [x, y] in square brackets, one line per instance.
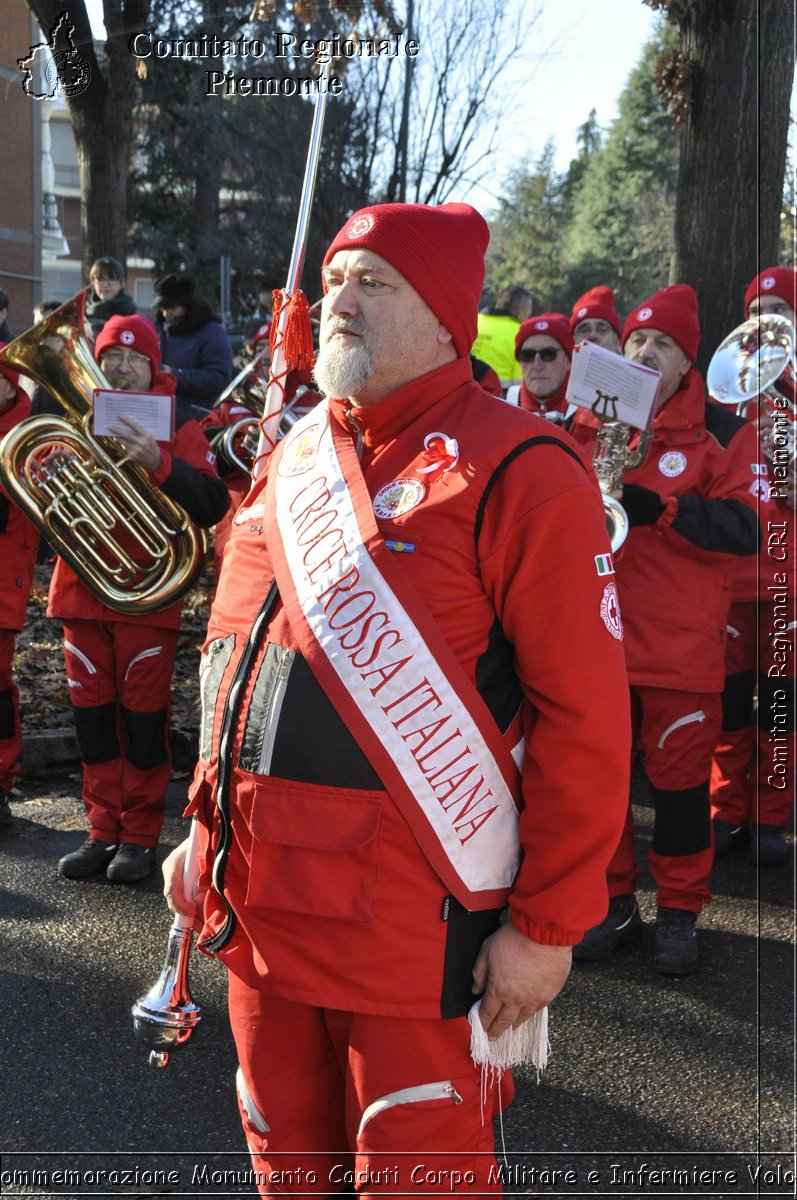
[526, 242]
[621, 229]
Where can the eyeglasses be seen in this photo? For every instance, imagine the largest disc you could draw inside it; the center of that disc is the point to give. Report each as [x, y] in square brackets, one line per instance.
[115, 358]
[547, 355]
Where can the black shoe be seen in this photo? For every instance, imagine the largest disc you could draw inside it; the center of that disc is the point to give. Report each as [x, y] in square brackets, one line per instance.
[131, 863]
[6, 816]
[728, 837]
[768, 846]
[676, 942]
[622, 922]
[91, 858]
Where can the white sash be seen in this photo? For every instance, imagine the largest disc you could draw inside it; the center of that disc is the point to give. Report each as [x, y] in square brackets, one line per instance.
[379, 655]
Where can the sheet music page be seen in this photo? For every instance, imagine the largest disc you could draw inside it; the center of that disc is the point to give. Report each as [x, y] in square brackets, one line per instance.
[155, 413]
[612, 386]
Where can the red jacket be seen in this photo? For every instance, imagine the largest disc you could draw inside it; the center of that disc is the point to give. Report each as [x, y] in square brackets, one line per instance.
[675, 575]
[754, 578]
[331, 895]
[187, 474]
[18, 538]
[557, 403]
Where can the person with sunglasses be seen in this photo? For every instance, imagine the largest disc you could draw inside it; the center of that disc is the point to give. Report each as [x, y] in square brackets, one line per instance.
[543, 347]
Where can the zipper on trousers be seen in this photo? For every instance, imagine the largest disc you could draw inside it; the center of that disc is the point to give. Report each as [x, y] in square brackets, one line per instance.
[442, 1090]
[689, 719]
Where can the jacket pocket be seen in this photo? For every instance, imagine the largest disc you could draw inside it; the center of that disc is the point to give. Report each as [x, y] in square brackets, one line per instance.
[315, 850]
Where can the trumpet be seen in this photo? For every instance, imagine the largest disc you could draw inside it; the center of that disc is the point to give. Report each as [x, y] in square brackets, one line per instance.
[129, 543]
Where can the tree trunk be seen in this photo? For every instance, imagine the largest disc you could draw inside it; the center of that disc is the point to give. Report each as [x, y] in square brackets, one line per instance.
[732, 154]
[102, 120]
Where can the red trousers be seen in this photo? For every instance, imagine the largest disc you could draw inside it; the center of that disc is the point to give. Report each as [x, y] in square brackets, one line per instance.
[752, 776]
[119, 677]
[677, 733]
[336, 1101]
[10, 730]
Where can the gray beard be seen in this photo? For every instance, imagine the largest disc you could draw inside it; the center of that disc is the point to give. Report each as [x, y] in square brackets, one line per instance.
[343, 370]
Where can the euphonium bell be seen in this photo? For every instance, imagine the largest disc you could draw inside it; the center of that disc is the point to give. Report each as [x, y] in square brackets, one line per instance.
[750, 359]
[167, 1015]
[129, 543]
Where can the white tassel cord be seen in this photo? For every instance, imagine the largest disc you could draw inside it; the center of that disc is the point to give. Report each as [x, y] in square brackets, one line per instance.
[528, 1044]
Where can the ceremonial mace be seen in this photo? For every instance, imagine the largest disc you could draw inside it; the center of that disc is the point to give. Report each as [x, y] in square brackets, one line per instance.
[167, 1015]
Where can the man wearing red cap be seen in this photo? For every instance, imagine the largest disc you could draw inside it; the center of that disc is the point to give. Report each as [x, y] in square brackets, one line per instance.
[392, 710]
[18, 544]
[594, 319]
[119, 667]
[544, 348]
[752, 778]
[692, 518]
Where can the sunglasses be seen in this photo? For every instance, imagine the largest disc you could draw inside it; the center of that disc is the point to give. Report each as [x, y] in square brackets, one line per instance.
[547, 355]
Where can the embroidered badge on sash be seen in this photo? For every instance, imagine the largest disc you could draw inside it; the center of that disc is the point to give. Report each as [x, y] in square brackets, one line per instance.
[300, 452]
[398, 497]
[610, 611]
[249, 514]
[672, 463]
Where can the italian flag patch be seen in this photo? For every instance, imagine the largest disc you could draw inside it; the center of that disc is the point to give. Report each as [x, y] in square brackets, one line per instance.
[605, 564]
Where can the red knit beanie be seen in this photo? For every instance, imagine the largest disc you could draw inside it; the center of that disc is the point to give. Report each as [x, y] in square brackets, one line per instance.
[673, 311]
[555, 325]
[11, 375]
[136, 332]
[438, 249]
[774, 281]
[597, 303]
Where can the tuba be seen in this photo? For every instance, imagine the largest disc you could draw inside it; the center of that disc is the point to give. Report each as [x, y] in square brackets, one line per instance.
[82, 491]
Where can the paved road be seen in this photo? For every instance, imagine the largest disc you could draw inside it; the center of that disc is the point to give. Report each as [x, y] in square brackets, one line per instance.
[690, 1079]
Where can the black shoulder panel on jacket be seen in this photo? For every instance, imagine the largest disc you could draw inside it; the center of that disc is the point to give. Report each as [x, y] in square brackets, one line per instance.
[722, 423]
[542, 440]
